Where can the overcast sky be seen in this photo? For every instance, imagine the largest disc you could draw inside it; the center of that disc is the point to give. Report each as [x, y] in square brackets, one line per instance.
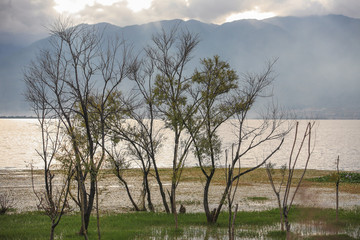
[32, 16]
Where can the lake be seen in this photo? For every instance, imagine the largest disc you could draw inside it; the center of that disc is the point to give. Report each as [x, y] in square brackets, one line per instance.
[20, 137]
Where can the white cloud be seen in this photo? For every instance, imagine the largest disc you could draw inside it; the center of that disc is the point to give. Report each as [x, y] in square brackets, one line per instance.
[253, 14]
[25, 16]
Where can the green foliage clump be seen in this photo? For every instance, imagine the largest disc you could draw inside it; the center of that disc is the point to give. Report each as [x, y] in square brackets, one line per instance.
[345, 177]
[258, 198]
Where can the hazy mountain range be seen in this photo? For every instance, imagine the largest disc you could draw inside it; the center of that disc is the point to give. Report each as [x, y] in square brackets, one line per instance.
[318, 70]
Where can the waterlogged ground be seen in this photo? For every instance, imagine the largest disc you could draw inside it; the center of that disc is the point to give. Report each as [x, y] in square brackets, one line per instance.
[254, 192]
[299, 231]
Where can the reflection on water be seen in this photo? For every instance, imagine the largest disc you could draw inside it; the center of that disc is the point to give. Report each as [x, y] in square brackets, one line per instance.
[250, 232]
[20, 137]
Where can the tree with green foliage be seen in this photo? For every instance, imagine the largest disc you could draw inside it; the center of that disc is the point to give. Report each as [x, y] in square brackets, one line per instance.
[227, 98]
[170, 53]
[215, 83]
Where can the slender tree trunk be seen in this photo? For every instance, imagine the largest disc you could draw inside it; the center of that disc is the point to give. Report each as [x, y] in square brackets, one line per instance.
[232, 228]
[52, 230]
[97, 211]
[161, 189]
[337, 188]
[337, 201]
[90, 202]
[280, 211]
[81, 186]
[173, 204]
[147, 189]
[287, 223]
[222, 201]
[130, 197]
[174, 179]
[209, 215]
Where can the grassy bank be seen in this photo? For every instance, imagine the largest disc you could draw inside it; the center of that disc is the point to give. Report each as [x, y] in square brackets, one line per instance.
[145, 225]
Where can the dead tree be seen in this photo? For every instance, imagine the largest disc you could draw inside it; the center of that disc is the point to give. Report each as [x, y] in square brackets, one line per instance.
[270, 172]
[306, 142]
[52, 200]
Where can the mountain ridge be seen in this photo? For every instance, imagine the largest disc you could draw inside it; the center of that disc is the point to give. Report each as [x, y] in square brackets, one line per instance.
[317, 67]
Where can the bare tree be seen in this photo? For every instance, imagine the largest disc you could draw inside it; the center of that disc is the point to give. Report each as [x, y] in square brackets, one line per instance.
[52, 200]
[270, 172]
[79, 72]
[305, 142]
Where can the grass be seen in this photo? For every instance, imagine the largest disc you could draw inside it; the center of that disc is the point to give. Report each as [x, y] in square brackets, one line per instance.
[34, 225]
[345, 177]
[257, 199]
[145, 225]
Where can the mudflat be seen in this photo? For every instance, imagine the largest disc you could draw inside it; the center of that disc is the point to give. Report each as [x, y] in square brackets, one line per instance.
[254, 191]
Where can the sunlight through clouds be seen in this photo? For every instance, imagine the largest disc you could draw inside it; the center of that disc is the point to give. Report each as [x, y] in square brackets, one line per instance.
[74, 6]
[138, 5]
[253, 14]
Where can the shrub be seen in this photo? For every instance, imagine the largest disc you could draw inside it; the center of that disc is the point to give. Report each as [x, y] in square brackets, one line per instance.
[6, 202]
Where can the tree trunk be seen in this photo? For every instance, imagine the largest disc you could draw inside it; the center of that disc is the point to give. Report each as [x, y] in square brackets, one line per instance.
[130, 197]
[233, 223]
[222, 201]
[209, 215]
[147, 188]
[161, 189]
[287, 223]
[173, 204]
[280, 211]
[90, 201]
[337, 200]
[83, 203]
[97, 211]
[52, 231]
[88, 204]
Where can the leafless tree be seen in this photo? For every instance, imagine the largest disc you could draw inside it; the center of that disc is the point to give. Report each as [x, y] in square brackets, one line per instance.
[305, 142]
[270, 172]
[78, 74]
[52, 200]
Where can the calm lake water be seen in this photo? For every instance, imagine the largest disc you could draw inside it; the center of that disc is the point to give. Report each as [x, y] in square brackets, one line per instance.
[20, 137]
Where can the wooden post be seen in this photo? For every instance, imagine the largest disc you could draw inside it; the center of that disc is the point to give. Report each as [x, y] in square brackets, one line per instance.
[337, 188]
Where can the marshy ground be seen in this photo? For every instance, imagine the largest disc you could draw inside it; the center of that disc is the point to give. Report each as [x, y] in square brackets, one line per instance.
[254, 192]
[313, 217]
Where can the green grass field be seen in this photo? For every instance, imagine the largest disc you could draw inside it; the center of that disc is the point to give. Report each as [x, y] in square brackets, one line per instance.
[144, 225]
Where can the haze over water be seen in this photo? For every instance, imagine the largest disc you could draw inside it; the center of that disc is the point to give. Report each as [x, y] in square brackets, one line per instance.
[20, 137]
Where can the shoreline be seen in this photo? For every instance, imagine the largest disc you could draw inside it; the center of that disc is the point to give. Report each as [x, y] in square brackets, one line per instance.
[252, 187]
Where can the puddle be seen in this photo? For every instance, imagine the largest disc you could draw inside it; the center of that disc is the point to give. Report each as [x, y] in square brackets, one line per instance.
[252, 232]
